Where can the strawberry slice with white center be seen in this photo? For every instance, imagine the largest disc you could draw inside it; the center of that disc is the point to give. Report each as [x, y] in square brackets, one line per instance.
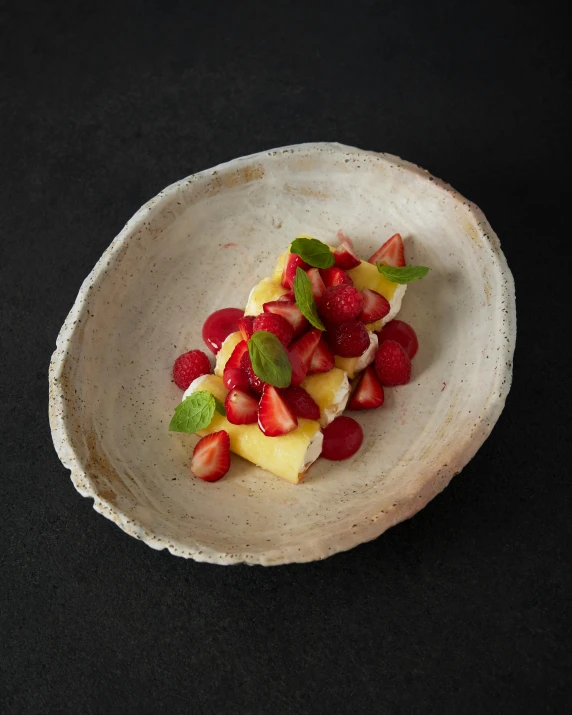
[375, 306]
[368, 393]
[241, 408]
[245, 325]
[342, 238]
[211, 458]
[345, 257]
[322, 359]
[290, 311]
[335, 276]
[391, 253]
[300, 354]
[318, 285]
[293, 261]
[289, 296]
[236, 355]
[275, 418]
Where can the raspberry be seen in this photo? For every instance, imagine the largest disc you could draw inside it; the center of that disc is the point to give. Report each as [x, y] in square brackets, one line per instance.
[276, 324]
[349, 339]
[392, 364]
[255, 382]
[189, 366]
[341, 303]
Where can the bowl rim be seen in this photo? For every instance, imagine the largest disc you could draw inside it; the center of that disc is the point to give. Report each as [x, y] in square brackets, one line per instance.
[321, 546]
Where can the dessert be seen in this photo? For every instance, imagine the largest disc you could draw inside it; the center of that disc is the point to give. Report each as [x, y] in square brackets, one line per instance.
[283, 367]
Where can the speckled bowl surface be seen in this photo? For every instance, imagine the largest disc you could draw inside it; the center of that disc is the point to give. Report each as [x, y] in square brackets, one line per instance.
[200, 245]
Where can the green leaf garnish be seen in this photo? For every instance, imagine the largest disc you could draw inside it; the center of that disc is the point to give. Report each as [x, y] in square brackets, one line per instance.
[219, 407]
[305, 299]
[406, 274]
[269, 359]
[194, 413]
[314, 252]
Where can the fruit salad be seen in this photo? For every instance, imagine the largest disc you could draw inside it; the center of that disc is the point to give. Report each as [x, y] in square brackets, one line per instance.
[317, 337]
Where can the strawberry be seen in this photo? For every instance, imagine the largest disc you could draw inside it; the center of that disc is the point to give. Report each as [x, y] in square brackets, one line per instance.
[275, 418]
[211, 458]
[290, 311]
[235, 377]
[189, 366]
[289, 296]
[276, 324]
[245, 326]
[335, 276]
[368, 393]
[256, 383]
[349, 339]
[345, 256]
[392, 364]
[391, 252]
[236, 355]
[340, 303]
[300, 354]
[375, 306]
[293, 261]
[300, 402]
[318, 286]
[322, 359]
[342, 238]
[241, 408]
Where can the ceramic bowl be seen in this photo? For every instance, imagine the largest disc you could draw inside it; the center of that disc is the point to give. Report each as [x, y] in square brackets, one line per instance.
[200, 245]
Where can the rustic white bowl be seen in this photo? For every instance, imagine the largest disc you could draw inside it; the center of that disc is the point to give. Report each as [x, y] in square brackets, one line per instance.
[200, 245]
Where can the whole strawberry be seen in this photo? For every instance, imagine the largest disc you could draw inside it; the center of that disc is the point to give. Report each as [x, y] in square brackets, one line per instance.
[340, 303]
[189, 366]
[392, 364]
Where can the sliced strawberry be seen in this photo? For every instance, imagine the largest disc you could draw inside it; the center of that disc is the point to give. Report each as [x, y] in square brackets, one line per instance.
[256, 383]
[391, 252]
[300, 354]
[368, 393]
[276, 324]
[318, 286]
[211, 458]
[345, 257]
[349, 339]
[340, 303]
[375, 306]
[241, 408]
[342, 238]
[235, 377]
[300, 402]
[290, 311]
[289, 296]
[245, 326]
[293, 261]
[275, 418]
[322, 359]
[236, 355]
[335, 276]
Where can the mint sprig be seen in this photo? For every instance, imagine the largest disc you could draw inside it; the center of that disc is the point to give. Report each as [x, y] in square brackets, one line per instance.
[406, 274]
[305, 299]
[195, 412]
[314, 252]
[269, 359]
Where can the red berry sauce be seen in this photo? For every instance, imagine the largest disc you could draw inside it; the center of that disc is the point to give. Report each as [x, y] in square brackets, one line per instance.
[403, 334]
[219, 325]
[342, 439]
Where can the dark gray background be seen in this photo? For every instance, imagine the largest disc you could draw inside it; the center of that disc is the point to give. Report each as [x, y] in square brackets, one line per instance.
[464, 608]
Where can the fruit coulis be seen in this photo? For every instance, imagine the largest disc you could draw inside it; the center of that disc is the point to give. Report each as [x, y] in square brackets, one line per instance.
[342, 439]
[219, 325]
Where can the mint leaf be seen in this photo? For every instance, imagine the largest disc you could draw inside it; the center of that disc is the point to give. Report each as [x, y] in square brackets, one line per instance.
[194, 413]
[305, 299]
[219, 407]
[269, 359]
[407, 274]
[314, 252]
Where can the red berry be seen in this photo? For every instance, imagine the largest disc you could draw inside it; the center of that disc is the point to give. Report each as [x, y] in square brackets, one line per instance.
[346, 257]
[219, 325]
[342, 439]
[276, 324]
[256, 383]
[300, 402]
[293, 261]
[375, 306]
[245, 326]
[275, 418]
[322, 359]
[289, 296]
[403, 334]
[340, 303]
[189, 366]
[368, 393]
[391, 253]
[318, 286]
[235, 377]
[349, 339]
[300, 354]
[236, 355]
[290, 311]
[211, 458]
[335, 276]
[392, 365]
[241, 408]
